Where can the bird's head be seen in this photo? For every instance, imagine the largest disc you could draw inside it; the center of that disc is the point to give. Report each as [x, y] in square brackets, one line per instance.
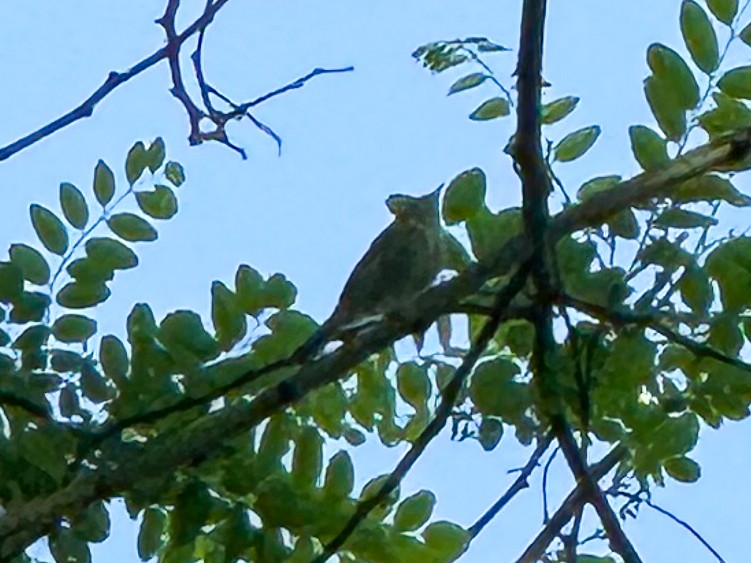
[415, 209]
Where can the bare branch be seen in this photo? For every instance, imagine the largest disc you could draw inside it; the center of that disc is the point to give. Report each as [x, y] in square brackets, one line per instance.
[519, 484]
[568, 508]
[171, 52]
[674, 518]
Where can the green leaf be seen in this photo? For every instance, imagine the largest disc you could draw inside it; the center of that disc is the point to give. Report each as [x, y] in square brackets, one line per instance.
[150, 533]
[696, 289]
[74, 328]
[624, 224]
[135, 162]
[94, 385]
[160, 203]
[668, 111]
[32, 264]
[670, 68]
[30, 306]
[307, 459]
[190, 513]
[413, 384]
[728, 115]
[490, 386]
[489, 231]
[723, 10]
[683, 469]
[730, 265]
[649, 148]
[44, 450]
[490, 109]
[111, 254]
[700, 36]
[736, 82]
[66, 547]
[114, 359]
[49, 229]
[11, 282]
[184, 329]
[79, 295]
[340, 476]
[490, 433]
[558, 109]
[249, 286]
[94, 525]
[174, 173]
[104, 183]
[155, 154]
[575, 144]
[596, 185]
[464, 196]
[88, 270]
[227, 315]
[709, 187]
[131, 227]
[69, 404]
[33, 338]
[279, 292]
[446, 538]
[414, 511]
[74, 205]
[470, 81]
[745, 34]
[677, 218]
[65, 361]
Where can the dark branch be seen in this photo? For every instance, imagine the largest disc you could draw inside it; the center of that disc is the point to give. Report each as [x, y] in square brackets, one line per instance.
[519, 484]
[675, 519]
[568, 508]
[171, 52]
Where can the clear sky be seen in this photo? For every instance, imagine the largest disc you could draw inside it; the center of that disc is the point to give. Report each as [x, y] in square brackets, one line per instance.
[349, 141]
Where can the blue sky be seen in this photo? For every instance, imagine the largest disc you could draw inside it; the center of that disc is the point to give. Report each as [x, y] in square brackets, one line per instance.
[350, 140]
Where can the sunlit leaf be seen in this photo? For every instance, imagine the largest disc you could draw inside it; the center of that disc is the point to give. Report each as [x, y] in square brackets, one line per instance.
[470, 81]
[575, 144]
[490, 109]
[49, 229]
[74, 205]
[700, 36]
[30, 261]
[104, 183]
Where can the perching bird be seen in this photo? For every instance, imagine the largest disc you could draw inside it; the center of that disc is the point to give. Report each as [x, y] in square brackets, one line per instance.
[400, 263]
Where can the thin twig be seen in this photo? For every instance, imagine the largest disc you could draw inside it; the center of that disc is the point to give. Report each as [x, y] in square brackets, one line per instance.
[675, 519]
[519, 484]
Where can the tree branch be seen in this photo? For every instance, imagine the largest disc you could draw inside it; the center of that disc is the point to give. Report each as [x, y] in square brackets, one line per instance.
[171, 52]
[568, 508]
[517, 486]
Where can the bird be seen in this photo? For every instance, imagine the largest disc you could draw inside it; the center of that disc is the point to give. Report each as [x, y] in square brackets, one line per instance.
[400, 263]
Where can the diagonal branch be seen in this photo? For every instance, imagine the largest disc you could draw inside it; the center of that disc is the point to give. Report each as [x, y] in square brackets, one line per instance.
[450, 394]
[568, 508]
[519, 484]
[171, 52]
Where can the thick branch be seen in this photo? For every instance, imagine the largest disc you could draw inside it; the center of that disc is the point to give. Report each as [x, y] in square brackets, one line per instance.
[568, 508]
